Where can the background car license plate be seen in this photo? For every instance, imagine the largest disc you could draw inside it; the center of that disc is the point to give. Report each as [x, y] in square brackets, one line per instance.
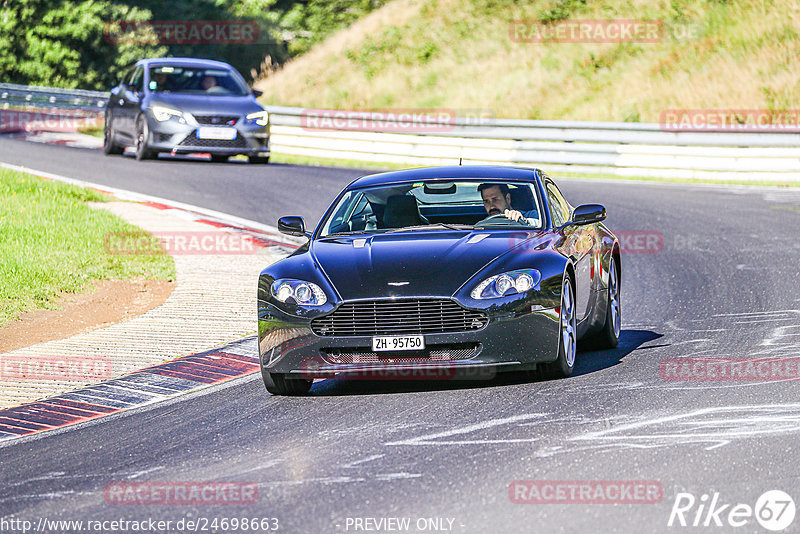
[382, 343]
[210, 132]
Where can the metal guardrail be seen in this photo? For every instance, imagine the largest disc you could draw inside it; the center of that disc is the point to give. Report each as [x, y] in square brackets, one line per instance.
[31, 96]
[627, 149]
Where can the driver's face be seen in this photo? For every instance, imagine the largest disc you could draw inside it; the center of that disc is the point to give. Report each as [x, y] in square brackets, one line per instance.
[494, 202]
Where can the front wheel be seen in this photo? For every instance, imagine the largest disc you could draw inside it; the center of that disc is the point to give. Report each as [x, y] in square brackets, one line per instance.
[143, 150]
[567, 341]
[281, 384]
[608, 338]
[109, 146]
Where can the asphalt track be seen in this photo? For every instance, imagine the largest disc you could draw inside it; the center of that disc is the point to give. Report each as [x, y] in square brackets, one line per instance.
[724, 284]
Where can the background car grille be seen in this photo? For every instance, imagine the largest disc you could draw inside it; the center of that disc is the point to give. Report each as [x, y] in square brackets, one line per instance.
[218, 120]
[437, 353]
[390, 317]
[193, 141]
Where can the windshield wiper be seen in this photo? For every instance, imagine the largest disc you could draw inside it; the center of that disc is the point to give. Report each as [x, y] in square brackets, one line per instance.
[423, 226]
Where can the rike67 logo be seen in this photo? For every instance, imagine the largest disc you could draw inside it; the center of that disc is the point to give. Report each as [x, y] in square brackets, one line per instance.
[774, 510]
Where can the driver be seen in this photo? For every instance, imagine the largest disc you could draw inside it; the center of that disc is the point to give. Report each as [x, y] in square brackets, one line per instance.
[497, 201]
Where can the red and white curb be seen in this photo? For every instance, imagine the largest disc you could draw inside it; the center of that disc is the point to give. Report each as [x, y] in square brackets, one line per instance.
[151, 385]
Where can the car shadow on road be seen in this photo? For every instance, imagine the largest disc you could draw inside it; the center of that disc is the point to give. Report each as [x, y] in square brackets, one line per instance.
[589, 361]
[586, 362]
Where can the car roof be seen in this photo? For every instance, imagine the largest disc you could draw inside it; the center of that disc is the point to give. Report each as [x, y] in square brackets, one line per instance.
[467, 173]
[184, 62]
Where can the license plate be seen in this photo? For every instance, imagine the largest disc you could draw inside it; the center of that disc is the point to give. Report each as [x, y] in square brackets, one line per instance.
[210, 132]
[385, 343]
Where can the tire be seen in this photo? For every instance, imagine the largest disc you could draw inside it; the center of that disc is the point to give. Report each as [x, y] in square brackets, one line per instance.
[219, 159]
[608, 337]
[142, 133]
[258, 159]
[567, 341]
[281, 384]
[109, 146]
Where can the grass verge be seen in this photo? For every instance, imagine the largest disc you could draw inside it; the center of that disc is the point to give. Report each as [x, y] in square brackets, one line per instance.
[53, 243]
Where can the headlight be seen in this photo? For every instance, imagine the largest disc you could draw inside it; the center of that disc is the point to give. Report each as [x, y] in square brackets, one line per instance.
[298, 292]
[259, 117]
[162, 113]
[509, 283]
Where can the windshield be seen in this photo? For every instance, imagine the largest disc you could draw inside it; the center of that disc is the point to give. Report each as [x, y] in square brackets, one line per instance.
[434, 205]
[196, 81]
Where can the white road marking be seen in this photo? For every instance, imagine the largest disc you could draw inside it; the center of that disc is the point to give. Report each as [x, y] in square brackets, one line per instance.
[427, 439]
[363, 460]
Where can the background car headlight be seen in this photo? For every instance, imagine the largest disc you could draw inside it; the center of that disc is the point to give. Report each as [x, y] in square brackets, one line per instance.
[162, 113]
[298, 292]
[509, 283]
[259, 117]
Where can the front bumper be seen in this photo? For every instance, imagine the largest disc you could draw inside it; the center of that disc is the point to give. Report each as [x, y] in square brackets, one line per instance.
[175, 137]
[510, 339]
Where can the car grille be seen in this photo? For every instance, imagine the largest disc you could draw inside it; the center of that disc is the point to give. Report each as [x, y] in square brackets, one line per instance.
[193, 141]
[447, 352]
[391, 317]
[218, 120]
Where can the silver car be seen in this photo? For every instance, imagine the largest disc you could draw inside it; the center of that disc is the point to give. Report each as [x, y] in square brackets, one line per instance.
[185, 105]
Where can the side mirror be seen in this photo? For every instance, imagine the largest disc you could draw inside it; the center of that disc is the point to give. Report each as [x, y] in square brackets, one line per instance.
[256, 92]
[292, 225]
[588, 214]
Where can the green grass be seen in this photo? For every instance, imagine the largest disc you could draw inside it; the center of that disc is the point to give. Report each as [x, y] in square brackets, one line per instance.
[52, 242]
[94, 131]
[460, 54]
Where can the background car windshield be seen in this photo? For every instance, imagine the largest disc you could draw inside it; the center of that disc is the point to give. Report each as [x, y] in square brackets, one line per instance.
[420, 204]
[195, 80]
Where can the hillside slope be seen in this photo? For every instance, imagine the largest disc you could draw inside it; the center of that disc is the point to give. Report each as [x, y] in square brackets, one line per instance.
[459, 54]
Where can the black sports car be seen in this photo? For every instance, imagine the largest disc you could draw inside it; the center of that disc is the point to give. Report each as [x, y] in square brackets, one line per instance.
[463, 267]
[183, 105]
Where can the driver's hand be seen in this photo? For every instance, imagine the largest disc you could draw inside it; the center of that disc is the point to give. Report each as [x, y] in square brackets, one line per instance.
[514, 215]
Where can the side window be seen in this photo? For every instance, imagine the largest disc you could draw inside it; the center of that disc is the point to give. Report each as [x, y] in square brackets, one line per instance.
[137, 80]
[559, 212]
[126, 76]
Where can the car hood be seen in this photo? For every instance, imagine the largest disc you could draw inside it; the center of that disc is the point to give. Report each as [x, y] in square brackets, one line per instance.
[422, 263]
[209, 105]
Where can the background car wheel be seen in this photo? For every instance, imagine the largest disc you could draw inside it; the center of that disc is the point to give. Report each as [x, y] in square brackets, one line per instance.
[219, 159]
[608, 338]
[109, 146]
[258, 159]
[281, 384]
[142, 135]
[567, 341]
